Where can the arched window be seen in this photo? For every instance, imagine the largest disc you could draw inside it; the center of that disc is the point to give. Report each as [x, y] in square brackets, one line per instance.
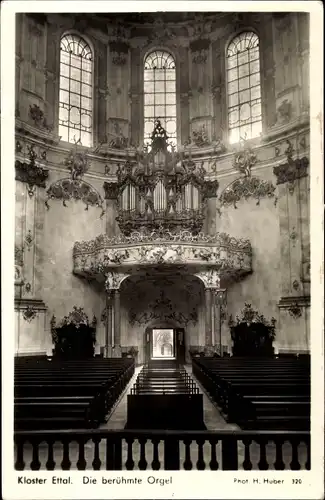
[160, 94]
[76, 90]
[244, 88]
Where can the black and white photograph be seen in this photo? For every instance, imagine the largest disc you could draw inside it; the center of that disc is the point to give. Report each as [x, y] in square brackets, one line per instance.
[162, 303]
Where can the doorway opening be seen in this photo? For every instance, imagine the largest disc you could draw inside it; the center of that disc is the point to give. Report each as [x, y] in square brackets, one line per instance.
[163, 343]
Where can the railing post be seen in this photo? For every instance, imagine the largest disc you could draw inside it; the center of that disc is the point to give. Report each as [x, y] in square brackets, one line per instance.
[229, 453]
[171, 453]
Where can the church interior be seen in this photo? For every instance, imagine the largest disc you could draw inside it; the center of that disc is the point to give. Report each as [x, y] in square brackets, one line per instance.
[162, 250]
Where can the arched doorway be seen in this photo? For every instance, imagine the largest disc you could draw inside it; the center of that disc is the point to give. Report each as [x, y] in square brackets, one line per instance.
[164, 342]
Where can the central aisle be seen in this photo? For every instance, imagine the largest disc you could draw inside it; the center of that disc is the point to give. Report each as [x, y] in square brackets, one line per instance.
[212, 417]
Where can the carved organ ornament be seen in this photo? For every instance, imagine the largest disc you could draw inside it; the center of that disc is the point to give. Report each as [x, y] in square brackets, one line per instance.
[161, 188]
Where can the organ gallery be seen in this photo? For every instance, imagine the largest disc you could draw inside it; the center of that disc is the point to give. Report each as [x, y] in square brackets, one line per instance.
[162, 216]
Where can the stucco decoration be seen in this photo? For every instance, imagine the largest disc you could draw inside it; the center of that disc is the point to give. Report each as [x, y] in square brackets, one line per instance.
[118, 140]
[77, 189]
[113, 280]
[210, 278]
[37, 116]
[19, 262]
[162, 308]
[77, 162]
[76, 317]
[226, 254]
[29, 314]
[245, 188]
[200, 137]
[292, 170]
[200, 50]
[249, 315]
[295, 311]
[31, 173]
[119, 52]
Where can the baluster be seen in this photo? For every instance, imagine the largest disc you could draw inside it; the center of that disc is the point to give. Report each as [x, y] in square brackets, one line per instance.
[213, 462]
[187, 462]
[155, 464]
[262, 464]
[294, 464]
[229, 453]
[129, 464]
[96, 462]
[247, 464]
[279, 463]
[200, 464]
[20, 464]
[35, 463]
[66, 464]
[81, 463]
[50, 464]
[142, 462]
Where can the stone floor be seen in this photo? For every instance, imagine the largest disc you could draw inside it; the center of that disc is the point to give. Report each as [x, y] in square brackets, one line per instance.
[213, 419]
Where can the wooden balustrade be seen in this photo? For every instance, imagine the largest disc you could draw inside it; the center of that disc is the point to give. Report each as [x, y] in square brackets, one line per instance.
[220, 450]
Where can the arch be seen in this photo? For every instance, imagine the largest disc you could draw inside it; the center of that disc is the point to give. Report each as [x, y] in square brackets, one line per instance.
[76, 89]
[243, 86]
[160, 89]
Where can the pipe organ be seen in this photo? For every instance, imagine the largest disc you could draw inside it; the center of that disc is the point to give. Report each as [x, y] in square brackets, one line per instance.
[161, 188]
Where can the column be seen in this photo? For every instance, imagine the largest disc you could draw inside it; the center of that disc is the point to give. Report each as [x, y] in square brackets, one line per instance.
[108, 326]
[117, 324]
[293, 205]
[208, 317]
[210, 194]
[219, 302]
[31, 335]
[111, 194]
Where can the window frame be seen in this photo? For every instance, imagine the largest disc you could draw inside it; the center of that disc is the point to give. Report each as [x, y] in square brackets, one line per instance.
[177, 90]
[90, 44]
[230, 39]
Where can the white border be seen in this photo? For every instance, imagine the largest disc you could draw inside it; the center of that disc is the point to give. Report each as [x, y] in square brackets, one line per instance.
[185, 485]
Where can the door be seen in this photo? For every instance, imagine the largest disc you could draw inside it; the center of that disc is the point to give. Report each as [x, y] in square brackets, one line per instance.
[163, 343]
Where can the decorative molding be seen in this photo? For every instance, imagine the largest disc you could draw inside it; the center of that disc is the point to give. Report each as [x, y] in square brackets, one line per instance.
[29, 314]
[77, 189]
[210, 189]
[114, 280]
[226, 255]
[31, 174]
[291, 171]
[295, 285]
[29, 238]
[244, 160]
[293, 236]
[77, 163]
[76, 317]
[294, 305]
[210, 278]
[247, 187]
[112, 190]
[295, 311]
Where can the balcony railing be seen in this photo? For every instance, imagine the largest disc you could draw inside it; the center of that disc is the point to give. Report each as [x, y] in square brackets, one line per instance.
[102, 449]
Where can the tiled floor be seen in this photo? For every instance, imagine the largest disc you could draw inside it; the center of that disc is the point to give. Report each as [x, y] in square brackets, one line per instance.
[213, 420]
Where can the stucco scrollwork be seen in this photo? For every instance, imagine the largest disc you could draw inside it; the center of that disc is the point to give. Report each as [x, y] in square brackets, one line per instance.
[77, 163]
[292, 170]
[247, 187]
[210, 278]
[113, 280]
[77, 189]
[29, 314]
[31, 173]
